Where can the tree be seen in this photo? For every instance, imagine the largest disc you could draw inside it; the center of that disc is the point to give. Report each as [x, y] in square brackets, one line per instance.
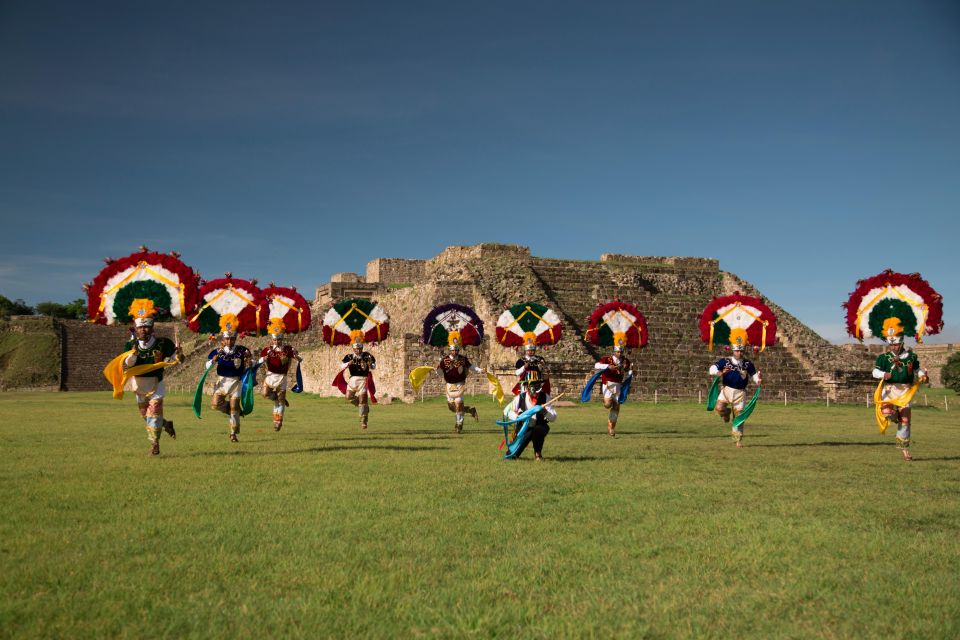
[75, 310]
[14, 307]
[950, 373]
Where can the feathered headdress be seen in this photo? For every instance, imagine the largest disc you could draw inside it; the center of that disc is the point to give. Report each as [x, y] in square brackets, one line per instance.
[142, 311]
[355, 320]
[890, 305]
[528, 323]
[738, 320]
[161, 278]
[617, 324]
[452, 324]
[287, 309]
[231, 296]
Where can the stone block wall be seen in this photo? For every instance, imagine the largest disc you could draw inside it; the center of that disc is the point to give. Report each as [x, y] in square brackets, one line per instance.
[86, 349]
[389, 271]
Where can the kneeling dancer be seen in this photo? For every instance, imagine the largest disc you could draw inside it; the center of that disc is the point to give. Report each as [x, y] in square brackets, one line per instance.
[531, 395]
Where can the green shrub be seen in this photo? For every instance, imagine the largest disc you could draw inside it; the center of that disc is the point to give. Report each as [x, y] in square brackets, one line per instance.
[950, 373]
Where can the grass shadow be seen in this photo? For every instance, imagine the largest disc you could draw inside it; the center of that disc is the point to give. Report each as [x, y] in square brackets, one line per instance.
[310, 450]
[828, 444]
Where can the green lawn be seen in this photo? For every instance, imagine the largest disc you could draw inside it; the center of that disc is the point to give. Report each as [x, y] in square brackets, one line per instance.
[816, 528]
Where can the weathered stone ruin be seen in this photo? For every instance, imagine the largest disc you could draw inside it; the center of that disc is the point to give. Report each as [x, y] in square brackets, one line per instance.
[671, 292]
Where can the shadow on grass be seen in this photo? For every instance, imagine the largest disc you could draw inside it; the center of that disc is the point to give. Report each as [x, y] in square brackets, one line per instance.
[946, 458]
[827, 444]
[311, 450]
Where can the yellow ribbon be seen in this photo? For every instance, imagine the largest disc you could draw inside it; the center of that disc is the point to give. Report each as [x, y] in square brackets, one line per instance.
[118, 377]
[900, 402]
[418, 376]
[496, 390]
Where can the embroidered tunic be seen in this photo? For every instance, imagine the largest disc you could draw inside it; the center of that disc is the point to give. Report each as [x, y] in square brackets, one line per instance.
[229, 365]
[623, 369]
[902, 368]
[455, 369]
[739, 376]
[156, 351]
[277, 359]
[360, 365]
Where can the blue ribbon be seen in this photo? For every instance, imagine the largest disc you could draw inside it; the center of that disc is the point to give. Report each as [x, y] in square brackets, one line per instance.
[587, 392]
[297, 388]
[522, 434]
[625, 389]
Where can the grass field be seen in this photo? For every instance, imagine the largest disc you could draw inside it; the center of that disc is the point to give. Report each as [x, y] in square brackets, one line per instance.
[816, 529]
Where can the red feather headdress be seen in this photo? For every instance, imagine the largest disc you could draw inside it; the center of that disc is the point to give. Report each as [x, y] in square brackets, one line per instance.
[233, 296]
[893, 304]
[287, 306]
[355, 320]
[617, 324]
[740, 320]
[528, 323]
[161, 278]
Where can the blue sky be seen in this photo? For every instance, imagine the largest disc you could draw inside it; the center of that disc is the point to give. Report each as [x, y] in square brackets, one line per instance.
[805, 145]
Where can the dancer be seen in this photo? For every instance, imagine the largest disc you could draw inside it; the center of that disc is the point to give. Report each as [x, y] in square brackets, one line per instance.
[891, 306]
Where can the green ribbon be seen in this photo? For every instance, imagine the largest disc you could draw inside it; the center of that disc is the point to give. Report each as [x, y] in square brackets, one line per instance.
[198, 394]
[713, 394]
[747, 410]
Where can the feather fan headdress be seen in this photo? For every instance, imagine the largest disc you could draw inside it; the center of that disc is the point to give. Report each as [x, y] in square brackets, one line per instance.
[890, 305]
[288, 311]
[355, 320]
[145, 275]
[617, 324]
[738, 320]
[240, 299]
[452, 324]
[528, 323]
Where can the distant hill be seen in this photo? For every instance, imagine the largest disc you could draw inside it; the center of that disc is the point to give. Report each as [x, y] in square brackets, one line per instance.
[29, 353]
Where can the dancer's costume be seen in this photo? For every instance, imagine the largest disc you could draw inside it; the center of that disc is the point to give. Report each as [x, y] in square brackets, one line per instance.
[529, 415]
[454, 326]
[289, 313]
[142, 288]
[890, 306]
[620, 326]
[231, 308]
[356, 322]
[740, 321]
[527, 326]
